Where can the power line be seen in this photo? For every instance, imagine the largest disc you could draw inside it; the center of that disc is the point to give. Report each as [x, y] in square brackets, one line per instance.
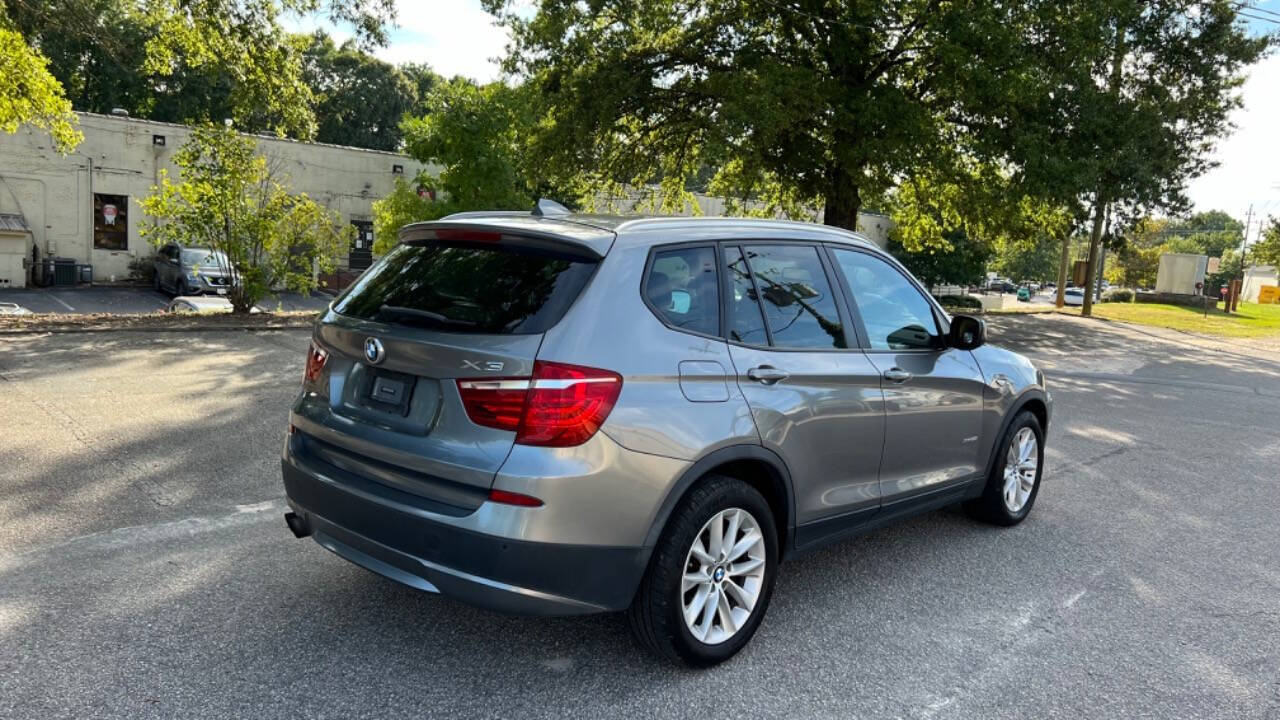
[1255, 8]
[1273, 21]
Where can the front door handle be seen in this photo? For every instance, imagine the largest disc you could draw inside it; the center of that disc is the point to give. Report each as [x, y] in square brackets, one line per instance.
[767, 374]
[897, 375]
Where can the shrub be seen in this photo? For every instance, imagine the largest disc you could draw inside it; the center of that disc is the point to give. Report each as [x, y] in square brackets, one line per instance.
[1118, 295]
[143, 269]
[965, 302]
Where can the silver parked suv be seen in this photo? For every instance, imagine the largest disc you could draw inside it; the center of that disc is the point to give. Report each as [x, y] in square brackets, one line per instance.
[552, 413]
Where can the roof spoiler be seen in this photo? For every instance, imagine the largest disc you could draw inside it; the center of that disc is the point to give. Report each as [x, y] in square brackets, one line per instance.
[566, 238]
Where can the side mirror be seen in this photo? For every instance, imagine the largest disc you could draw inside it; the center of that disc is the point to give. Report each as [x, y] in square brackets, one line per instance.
[967, 332]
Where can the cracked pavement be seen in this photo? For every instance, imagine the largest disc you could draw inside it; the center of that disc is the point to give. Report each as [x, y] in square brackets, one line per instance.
[145, 570]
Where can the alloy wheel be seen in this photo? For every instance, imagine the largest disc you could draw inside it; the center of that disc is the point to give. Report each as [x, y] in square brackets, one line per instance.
[1020, 467]
[723, 576]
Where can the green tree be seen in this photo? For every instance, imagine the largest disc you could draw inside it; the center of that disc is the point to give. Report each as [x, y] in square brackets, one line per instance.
[29, 95]
[423, 79]
[359, 99]
[96, 49]
[402, 206]
[965, 218]
[1027, 259]
[961, 261]
[188, 60]
[477, 135]
[230, 201]
[803, 104]
[1136, 257]
[1213, 232]
[1267, 250]
[1125, 102]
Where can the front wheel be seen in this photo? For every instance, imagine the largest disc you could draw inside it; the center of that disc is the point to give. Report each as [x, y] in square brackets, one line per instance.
[1015, 479]
[711, 575]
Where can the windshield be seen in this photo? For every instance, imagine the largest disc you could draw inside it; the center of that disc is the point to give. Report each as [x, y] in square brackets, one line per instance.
[203, 258]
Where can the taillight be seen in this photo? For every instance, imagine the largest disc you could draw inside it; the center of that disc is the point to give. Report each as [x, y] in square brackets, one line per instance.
[567, 404]
[560, 406]
[316, 358]
[495, 403]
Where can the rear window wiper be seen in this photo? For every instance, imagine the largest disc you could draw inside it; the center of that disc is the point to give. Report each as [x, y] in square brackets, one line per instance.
[425, 315]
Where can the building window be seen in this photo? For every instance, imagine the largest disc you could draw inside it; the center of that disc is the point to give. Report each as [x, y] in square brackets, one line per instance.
[110, 222]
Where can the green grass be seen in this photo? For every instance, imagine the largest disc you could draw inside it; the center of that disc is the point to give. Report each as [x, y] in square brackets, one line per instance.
[1251, 321]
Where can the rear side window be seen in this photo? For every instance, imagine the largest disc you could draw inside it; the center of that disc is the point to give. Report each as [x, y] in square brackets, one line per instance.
[681, 287]
[746, 324]
[490, 289]
[796, 297]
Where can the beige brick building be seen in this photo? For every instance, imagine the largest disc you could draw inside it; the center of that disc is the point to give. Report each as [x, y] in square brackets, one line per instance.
[85, 205]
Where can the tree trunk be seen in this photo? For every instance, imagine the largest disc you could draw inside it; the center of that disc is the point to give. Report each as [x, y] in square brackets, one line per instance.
[1062, 270]
[1095, 239]
[842, 203]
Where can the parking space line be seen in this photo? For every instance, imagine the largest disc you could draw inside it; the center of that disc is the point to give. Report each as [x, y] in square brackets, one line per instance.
[61, 302]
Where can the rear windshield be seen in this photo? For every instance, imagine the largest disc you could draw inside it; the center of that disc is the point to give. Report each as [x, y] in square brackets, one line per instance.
[466, 288]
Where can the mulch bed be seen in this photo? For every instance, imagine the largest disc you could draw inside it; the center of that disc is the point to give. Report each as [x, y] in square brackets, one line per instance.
[153, 322]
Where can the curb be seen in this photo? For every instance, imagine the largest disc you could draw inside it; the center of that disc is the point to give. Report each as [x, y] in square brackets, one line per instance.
[68, 329]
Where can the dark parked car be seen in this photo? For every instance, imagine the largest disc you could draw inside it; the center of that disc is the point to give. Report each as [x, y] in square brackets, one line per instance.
[191, 271]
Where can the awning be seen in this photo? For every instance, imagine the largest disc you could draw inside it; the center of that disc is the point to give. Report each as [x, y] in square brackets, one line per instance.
[13, 224]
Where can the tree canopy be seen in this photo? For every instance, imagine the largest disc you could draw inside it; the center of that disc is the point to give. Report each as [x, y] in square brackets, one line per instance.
[359, 100]
[30, 95]
[188, 60]
[1124, 106]
[478, 135]
[1267, 250]
[813, 103]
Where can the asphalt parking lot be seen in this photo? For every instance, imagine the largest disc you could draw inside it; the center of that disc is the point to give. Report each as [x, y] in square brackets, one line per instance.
[145, 570]
[101, 299]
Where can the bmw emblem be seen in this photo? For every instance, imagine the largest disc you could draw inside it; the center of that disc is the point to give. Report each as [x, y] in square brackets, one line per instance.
[718, 575]
[373, 351]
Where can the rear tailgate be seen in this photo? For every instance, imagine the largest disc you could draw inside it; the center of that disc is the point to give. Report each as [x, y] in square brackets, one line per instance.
[474, 305]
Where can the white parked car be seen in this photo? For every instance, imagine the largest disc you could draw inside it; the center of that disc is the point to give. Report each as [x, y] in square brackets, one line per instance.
[1073, 296]
[203, 304]
[8, 308]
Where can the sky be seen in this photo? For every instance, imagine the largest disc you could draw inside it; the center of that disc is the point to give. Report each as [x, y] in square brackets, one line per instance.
[457, 37]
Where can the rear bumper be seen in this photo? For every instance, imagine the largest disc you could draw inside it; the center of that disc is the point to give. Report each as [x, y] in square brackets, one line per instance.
[490, 571]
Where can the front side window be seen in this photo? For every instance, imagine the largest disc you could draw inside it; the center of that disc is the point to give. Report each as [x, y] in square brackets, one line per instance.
[682, 288]
[897, 316]
[796, 297]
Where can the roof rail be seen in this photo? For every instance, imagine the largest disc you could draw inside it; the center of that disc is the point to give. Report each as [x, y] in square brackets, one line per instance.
[547, 207]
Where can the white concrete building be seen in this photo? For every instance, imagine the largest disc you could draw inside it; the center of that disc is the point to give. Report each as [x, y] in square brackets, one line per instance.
[1255, 278]
[1180, 273]
[85, 205]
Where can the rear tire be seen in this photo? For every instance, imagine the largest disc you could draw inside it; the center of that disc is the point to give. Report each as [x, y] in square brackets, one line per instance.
[684, 579]
[1014, 482]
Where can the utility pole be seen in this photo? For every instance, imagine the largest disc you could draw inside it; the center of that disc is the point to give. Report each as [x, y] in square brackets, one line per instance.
[1232, 300]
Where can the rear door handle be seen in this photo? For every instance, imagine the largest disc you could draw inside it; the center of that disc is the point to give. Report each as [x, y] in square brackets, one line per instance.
[767, 374]
[897, 375]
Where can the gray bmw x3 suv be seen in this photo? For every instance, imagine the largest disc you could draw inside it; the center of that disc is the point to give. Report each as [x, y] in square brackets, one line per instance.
[552, 413]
